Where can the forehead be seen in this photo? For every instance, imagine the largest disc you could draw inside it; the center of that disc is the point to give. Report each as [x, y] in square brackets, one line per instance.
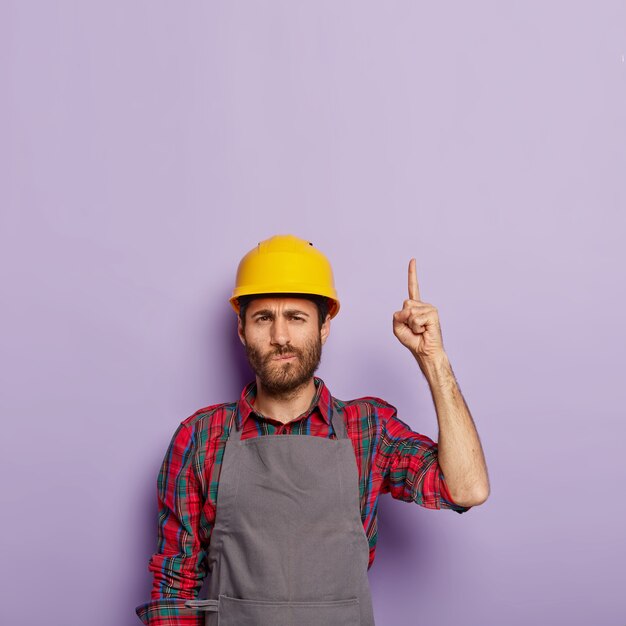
[279, 303]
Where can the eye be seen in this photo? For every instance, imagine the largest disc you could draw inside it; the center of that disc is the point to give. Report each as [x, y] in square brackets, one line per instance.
[262, 318]
[297, 318]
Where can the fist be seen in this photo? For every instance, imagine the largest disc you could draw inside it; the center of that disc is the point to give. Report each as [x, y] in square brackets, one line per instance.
[417, 325]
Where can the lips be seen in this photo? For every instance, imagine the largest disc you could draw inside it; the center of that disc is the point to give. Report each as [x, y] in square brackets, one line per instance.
[283, 356]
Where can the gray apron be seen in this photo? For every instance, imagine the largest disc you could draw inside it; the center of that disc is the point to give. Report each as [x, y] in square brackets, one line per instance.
[288, 546]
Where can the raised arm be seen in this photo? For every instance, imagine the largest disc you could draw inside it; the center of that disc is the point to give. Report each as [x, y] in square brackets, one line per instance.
[461, 456]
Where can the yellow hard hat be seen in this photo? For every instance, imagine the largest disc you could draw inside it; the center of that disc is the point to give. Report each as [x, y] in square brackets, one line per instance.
[285, 264]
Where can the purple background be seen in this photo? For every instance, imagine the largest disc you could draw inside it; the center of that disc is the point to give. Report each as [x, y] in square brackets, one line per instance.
[146, 146]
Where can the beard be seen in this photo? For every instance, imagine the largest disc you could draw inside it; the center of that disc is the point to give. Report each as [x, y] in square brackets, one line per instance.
[280, 379]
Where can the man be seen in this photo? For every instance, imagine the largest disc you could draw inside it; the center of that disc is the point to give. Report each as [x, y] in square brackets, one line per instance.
[286, 525]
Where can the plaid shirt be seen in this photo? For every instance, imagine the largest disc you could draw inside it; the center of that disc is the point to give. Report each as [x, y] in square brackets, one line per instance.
[391, 458]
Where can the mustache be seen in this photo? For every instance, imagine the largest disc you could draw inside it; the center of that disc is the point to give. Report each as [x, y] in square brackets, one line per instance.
[286, 351]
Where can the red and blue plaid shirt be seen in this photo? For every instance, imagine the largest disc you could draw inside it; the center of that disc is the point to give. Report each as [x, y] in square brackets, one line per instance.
[391, 458]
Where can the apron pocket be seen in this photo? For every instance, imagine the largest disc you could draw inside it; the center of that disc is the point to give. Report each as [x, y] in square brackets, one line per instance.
[238, 612]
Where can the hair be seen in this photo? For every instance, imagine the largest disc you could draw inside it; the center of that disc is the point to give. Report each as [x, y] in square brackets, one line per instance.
[323, 305]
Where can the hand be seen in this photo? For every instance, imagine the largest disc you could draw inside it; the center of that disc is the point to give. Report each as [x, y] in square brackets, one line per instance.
[417, 324]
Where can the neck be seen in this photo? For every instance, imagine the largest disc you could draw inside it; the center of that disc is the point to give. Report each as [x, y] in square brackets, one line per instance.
[286, 406]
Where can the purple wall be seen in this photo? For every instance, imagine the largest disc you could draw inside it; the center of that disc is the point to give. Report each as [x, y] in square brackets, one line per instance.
[145, 146]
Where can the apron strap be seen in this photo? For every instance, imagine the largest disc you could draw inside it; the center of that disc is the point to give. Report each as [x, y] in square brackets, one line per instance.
[233, 433]
[338, 425]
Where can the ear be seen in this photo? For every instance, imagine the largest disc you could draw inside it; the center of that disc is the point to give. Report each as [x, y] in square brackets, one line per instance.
[240, 332]
[325, 329]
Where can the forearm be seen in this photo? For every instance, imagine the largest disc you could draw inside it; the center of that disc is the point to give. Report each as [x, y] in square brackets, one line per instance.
[460, 456]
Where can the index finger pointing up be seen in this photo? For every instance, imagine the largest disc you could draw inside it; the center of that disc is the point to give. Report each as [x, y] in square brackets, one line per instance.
[414, 290]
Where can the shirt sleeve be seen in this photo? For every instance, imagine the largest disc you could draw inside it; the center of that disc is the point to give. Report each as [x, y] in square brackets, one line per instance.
[411, 472]
[179, 564]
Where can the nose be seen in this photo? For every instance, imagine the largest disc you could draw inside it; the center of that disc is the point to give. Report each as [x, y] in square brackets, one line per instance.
[279, 335]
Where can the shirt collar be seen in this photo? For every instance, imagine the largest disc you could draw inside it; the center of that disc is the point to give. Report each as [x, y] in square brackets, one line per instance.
[321, 401]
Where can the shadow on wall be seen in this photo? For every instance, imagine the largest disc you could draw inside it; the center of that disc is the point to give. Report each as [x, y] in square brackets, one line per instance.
[403, 532]
[225, 353]
[145, 541]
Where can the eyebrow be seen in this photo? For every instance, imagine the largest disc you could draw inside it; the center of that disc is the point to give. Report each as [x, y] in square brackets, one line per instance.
[285, 312]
